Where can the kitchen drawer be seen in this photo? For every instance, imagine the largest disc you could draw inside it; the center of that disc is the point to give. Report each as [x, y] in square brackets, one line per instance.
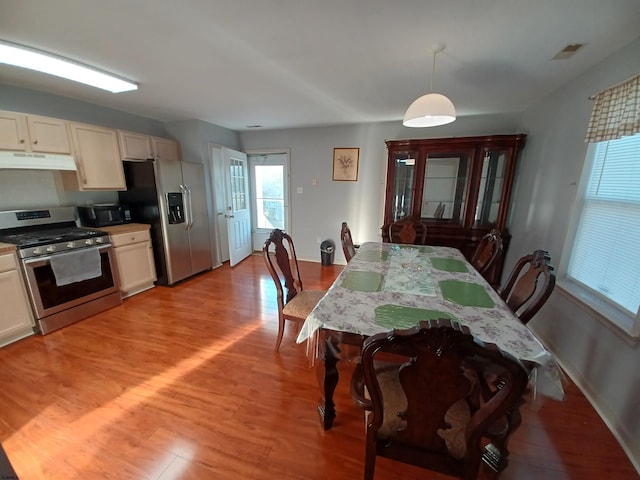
[8, 262]
[121, 239]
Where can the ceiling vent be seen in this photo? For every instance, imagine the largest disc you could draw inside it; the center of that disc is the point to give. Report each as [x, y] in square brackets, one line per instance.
[568, 51]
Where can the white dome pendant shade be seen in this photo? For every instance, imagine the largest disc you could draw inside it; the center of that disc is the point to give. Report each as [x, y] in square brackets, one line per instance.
[432, 109]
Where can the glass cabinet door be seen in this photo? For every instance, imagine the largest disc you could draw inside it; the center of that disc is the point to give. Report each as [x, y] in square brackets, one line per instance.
[404, 184]
[491, 187]
[445, 186]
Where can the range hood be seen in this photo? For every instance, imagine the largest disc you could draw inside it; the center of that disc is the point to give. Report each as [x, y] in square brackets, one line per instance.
[36, 161]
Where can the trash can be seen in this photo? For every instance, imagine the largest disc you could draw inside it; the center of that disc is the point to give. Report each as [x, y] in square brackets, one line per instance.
[327, 251]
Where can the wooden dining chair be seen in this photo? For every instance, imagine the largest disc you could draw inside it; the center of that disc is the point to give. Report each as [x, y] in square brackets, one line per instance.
[408, 231]
[282, 264]
[433, 401]
[529, 285]
[348, 247]
[488, 252]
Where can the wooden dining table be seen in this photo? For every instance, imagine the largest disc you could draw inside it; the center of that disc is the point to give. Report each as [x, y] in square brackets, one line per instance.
[389, 286]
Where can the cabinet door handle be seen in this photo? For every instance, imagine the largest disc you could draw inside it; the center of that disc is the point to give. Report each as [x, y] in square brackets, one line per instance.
[35, 142]
[22, 140]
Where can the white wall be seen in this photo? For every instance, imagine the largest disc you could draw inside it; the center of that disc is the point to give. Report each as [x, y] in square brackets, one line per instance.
[320, 210]
[603, 363]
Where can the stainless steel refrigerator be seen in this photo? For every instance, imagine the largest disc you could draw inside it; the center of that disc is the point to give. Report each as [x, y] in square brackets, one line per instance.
[171, 197]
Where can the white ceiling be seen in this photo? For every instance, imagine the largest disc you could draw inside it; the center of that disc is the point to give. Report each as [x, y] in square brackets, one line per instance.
[294, 63]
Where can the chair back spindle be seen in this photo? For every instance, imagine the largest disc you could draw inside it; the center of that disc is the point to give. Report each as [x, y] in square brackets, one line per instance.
[530, 285]
[488, 252]
[348, 247]
[408, 231]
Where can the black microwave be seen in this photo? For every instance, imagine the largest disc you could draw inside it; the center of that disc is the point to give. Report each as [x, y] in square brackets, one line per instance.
[104, 215]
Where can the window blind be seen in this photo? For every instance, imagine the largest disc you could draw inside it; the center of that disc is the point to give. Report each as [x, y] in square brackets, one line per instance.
[606, 251]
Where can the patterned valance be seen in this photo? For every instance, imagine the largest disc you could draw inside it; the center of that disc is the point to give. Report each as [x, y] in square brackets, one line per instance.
[616, 112]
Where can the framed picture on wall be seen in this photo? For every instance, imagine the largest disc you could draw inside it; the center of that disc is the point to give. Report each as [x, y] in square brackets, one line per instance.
[345, 164]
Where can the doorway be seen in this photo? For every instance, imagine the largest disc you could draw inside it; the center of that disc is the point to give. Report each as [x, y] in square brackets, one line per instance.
[269, 194]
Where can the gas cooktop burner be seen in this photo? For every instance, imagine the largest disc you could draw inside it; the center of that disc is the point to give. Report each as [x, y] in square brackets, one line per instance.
[47, 231]
[44, 237]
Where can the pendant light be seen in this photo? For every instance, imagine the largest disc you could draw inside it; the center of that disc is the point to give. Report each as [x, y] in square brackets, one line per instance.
[432, 109]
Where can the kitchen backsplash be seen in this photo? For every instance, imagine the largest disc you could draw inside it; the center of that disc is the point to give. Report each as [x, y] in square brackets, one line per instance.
[42, 188]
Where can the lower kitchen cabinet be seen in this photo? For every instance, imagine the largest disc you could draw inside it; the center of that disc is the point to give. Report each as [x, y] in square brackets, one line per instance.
[16, 319]
[134, 257]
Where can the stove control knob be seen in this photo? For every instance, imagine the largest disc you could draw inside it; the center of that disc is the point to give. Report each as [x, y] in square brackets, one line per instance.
[71, 245]
[51, 248]
[37, 251]
[88, 241]
[99, 240]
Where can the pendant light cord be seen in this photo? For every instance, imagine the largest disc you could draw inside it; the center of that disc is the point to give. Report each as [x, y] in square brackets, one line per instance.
[433, 69]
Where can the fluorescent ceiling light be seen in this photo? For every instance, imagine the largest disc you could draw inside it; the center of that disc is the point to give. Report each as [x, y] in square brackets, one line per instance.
[25, 57]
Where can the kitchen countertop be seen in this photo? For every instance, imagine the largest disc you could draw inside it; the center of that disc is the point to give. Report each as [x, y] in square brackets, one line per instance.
[125, 228]
[7, 248]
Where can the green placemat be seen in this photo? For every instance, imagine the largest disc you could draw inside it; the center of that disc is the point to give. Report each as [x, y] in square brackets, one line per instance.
[363, 281]
[449, 265]
[373, 256]
[466, 293]
[397, 316]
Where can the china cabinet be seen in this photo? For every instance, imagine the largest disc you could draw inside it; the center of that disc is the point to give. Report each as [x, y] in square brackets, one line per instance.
[460, 187]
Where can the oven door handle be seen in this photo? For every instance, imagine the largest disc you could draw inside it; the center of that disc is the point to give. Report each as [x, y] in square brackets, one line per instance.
[42, 261]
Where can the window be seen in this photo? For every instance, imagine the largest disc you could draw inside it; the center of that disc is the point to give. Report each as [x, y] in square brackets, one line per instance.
[605, 254]
[269, 196]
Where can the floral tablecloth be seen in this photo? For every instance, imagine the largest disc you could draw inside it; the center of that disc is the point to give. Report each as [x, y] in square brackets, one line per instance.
[387, 286]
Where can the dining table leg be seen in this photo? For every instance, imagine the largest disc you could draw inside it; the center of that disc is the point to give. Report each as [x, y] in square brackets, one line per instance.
[330, 357]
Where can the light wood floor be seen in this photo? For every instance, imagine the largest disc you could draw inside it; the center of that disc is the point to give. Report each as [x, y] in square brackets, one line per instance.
[183, 383]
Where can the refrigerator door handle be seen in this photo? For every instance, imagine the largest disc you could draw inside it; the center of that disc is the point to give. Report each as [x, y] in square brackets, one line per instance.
[186, 206]
[190, 207]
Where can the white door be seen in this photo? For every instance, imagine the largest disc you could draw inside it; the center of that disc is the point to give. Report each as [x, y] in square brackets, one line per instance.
[237, 211]
[269, 194]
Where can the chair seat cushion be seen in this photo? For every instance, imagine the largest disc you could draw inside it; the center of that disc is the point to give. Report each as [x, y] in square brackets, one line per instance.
[395, 400]
[300, 306]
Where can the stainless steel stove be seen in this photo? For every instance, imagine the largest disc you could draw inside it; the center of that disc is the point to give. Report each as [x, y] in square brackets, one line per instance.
[69, 271]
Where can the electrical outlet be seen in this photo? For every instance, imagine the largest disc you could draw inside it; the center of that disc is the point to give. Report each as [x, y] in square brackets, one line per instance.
[314, 181]
[319, 239]
[300, 190]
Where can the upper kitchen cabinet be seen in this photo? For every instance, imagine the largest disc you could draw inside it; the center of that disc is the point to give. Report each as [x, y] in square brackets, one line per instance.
[165, 149]
[98, 158]
[137, 146]
[33, 133]
[459, 187]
